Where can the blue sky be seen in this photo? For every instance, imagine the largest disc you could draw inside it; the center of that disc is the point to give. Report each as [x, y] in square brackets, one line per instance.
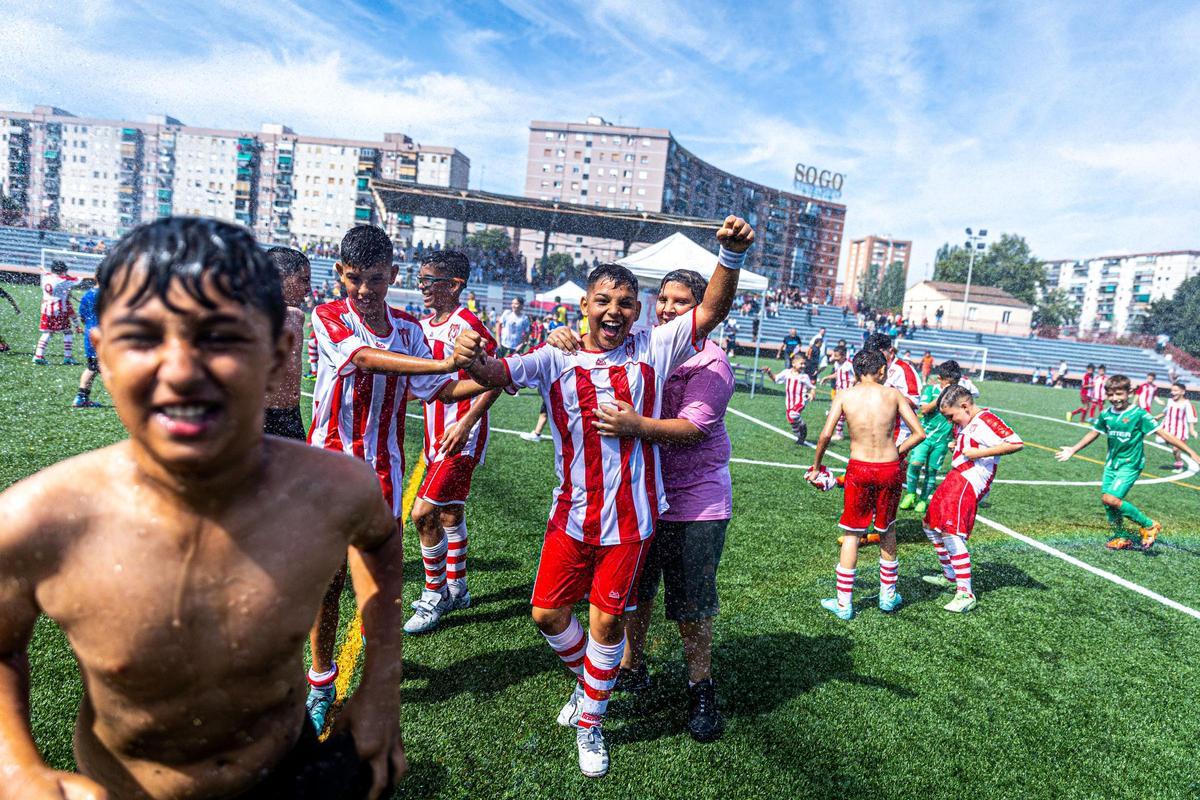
[1075, 124]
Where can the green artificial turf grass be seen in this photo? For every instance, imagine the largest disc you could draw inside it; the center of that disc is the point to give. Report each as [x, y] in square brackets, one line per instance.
[1061, 684]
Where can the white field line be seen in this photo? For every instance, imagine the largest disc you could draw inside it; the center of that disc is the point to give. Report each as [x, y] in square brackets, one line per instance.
[782, 432]
[1045, 548]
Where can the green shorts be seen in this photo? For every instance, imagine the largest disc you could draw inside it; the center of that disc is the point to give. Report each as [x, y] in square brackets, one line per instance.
[1117, 481]
[931, 452]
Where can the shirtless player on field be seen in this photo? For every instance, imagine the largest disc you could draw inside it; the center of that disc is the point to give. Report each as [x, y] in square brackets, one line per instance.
[185, 564]
[874, 476]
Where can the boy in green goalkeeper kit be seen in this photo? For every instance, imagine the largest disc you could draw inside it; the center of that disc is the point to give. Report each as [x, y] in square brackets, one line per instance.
[1126, 426]
[930, 453]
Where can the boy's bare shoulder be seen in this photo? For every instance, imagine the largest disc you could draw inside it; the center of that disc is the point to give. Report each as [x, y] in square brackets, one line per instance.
[350, 479]
[56, 502]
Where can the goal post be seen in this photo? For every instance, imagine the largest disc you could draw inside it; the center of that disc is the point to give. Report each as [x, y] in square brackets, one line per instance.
[75, 260]
[972, 358]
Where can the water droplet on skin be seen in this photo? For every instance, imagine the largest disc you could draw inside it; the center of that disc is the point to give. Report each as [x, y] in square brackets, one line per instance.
[197, 722]
[118, 568]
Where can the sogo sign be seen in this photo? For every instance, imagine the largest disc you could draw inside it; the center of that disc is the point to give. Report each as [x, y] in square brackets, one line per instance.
[821, 178]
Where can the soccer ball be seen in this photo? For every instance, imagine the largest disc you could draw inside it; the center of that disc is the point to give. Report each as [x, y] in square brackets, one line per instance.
[824, 480]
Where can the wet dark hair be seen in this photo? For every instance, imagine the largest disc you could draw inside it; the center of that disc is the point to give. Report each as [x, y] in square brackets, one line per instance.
[1091, 366]
[878, 341]
[1103, 368]
[839, 350]
[693, 280]
[58, 267]
[1180, 385]
[365, 246]
[452, 263]
[868, 362]
[954, 395]
[1118, 383]
[287, 260]
[620, 276]
[187, 251]
[950, 370]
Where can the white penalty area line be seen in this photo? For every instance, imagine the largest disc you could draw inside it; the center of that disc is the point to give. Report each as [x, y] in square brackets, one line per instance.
[1034, 543]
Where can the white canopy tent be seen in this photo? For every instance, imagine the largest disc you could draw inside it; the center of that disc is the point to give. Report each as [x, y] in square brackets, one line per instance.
[679, 252]
[570, 293]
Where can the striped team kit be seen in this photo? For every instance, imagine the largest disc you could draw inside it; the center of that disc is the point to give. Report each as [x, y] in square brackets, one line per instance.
[843, 378]
[362, 413]
[797, 386]
[954, 504]
[610, 491]
[1178, 418]
[448, 478]
[903, 377]
[1097, 398]
[57, 312]
[1145, 395]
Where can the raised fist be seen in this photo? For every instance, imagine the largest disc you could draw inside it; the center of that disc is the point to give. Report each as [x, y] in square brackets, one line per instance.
[467, 347]
[735, 234]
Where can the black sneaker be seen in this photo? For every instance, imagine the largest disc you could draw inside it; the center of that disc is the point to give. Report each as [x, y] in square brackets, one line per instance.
[704, 721]
[634, 680]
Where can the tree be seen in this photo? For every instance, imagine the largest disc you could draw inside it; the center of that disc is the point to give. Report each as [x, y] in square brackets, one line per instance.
[891, 288]
[490, 239]
[1176, 316]
[11, 211]
[1007, 264]
[1054, 310]
[556, 264]
[868, 290]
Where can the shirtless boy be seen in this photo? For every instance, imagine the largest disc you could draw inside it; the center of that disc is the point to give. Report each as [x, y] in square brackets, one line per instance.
[186, 563]
[874, 476]
[283, 405]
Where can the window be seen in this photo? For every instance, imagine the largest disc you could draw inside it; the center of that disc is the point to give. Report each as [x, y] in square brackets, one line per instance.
[549, 135]
[643, 174]
[971, 313]
[545, 153]
[627, 174]
[1006, 317]
[641, 191]
[629, 157]
[645, 160]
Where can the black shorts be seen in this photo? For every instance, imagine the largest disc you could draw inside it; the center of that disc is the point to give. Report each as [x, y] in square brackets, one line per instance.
[686, 555]
[93, 363]
[315, 770]
[285, 422]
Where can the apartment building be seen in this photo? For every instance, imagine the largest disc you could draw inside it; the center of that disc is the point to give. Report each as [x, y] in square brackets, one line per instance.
[1114, 293]
[105, 176]
[878, 252]
[612, 166]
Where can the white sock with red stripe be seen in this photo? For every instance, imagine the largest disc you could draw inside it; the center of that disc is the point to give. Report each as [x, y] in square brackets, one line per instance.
[889, 571]
[435, 566]
[845, 585]
[68, 341]
[40, 350]
[456, 558]
[943, 554]
[841, 423]
[960, 560]
[600, 666]
[312, 353]
[322, 680]
[570, 646]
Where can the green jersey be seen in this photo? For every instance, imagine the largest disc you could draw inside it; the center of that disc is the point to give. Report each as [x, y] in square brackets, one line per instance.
[936, 426]
[1126, 431]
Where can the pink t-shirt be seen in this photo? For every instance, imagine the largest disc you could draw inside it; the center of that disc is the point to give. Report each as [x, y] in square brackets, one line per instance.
[696, 477]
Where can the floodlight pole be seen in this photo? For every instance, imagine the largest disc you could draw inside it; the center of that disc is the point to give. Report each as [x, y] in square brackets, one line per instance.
[973, 241]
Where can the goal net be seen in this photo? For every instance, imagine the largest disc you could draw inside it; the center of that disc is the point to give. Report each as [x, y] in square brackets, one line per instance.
[972, 358]
[76, 262]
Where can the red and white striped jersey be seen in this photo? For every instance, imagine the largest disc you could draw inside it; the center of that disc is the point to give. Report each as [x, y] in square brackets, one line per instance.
[1098, 388]
[56, 294]
[439, 415]
[610, 489]
[362, 413]
[986, 430]
[797, 390]
[903, 377]
[1179, 417]
[1145, 395]
[843, 375]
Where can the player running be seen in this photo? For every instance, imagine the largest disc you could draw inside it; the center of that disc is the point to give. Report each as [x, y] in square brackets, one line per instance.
[842, 378]
[798, 392]
[1179, 419]
[874, 476]
[58, 315]
[370, 358]
[455, 441]
[90, 319]
[1145, 393]
[1126, 427]
[981, 438]
[1096, 404]
[1085, 394]
[604, 510]
[185, 563]
[930, 454]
